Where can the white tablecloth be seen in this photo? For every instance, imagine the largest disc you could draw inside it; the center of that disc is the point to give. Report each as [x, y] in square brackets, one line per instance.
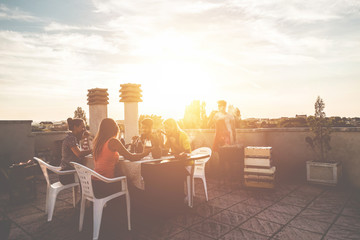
[132, 170]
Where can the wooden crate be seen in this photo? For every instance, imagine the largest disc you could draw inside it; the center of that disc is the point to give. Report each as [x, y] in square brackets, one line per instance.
[259, 184]
[262, 152]
[258, 162]
[256, 177]
[260, 171]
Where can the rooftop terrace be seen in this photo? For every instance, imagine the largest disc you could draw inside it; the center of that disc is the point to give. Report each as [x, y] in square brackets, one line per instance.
[290, 211]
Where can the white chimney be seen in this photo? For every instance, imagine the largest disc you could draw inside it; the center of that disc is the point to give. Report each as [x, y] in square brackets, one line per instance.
[97, 101]
[130, 95]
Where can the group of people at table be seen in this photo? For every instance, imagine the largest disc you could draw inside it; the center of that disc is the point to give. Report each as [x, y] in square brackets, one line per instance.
[107, 149]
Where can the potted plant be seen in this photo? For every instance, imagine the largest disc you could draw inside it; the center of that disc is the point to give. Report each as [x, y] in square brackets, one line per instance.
[322, 169]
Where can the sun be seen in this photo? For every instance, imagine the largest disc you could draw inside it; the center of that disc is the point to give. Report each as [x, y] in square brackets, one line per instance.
[175, 75]
[175, 84]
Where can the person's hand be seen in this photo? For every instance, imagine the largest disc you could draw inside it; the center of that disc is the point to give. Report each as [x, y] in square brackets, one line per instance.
[213, 113]
[158, 132]
[164, 151]
[134, 139]
[86, 134]
[147, 151]
[181, 156]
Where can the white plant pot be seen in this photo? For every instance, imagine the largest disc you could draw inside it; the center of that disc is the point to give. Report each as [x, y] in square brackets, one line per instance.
[323, 173]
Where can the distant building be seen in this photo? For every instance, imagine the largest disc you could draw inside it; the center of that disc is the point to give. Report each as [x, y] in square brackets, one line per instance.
[356, 122]
[46, 125]
[60, 126]
[263, 119]
[301, 116]
[251, 119]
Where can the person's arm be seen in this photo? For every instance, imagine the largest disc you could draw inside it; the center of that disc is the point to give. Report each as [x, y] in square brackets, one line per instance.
[134, 141]
[185, 142]
[183, 145]
[175, 147]
[116, 146]
[166, 148]
[79, 153]
[233, 129]
[234, 134]
[211, 118]
[158, 139]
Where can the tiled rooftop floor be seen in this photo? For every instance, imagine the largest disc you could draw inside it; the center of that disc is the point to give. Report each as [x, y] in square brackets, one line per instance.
[290, 211]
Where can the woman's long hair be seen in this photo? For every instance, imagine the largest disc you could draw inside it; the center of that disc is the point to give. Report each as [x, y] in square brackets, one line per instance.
[171, 122]
[108, 129]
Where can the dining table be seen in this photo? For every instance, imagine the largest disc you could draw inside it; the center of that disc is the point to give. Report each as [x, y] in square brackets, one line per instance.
[132, 169]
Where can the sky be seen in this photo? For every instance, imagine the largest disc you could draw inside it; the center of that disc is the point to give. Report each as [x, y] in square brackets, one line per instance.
[269, 58]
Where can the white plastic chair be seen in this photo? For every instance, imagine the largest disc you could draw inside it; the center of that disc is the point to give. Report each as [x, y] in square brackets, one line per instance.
[85, 174]
[52, 190]
[199, 171]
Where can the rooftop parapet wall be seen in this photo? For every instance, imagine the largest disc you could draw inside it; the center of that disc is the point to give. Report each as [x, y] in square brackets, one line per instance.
[16, 141]
[292, 129]
[290, 151]
[50, 143]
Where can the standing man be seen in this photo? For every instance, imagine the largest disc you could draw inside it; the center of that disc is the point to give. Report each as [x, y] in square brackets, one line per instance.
[225, 133]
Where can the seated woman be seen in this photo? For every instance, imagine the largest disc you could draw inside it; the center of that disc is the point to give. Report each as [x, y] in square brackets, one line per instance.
[107, 149]
[71, 148]
[177, 141]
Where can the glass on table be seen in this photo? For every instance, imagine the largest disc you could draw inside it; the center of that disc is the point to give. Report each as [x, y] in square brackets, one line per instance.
[147, 143]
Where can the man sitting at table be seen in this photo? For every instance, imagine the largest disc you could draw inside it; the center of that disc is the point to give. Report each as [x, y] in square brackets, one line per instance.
[148, 138]
[177, 141]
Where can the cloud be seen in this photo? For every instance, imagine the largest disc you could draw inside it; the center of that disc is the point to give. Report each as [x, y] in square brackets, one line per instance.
[297, 10]
[291, 10]
[49, 60]
[16, 14]
[236, 34]
[59, 27]
[72, 42]
[54, 26]
[241, 47]
[233, 32]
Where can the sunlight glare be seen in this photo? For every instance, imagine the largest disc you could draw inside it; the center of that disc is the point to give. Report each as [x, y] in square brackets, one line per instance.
[176, 76]
[179, 83]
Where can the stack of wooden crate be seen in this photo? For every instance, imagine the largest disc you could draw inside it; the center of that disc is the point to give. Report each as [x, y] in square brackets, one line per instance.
[258, 167]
